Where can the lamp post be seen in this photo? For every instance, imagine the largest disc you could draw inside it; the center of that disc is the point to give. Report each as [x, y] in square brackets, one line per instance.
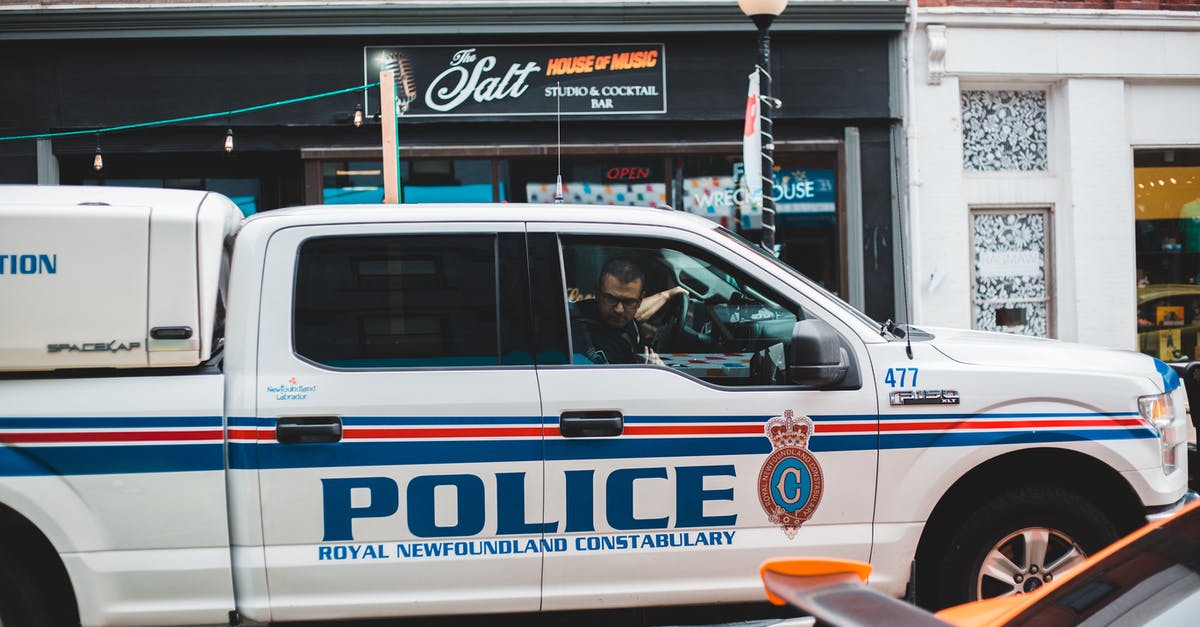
[763, 13]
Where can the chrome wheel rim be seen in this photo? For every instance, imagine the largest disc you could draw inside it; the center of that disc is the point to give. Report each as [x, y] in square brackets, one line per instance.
[1026, 560]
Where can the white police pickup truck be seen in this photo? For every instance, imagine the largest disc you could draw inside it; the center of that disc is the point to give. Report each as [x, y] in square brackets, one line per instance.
[377, 411]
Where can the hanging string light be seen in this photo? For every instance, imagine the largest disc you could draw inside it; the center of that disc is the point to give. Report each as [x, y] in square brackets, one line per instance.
[98, 162]
[229, 133]
[191, 118]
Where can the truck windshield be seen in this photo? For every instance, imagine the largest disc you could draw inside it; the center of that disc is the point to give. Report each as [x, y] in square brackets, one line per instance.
[834, 298]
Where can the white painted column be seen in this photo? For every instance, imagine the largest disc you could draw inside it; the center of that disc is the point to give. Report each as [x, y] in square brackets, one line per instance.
[1098, 193]
[940, 236]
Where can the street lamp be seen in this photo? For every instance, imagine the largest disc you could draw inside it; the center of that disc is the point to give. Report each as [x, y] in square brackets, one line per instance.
[763, 13]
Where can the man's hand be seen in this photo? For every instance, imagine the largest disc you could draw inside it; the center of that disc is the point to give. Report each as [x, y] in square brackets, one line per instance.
[652, 303]
[651, 357]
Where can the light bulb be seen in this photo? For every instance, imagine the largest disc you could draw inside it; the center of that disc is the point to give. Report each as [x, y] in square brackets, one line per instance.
[98, 162]
[229, 140]
[358, 115]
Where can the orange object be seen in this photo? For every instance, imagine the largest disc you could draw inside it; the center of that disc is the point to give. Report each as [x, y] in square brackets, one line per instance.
[832, 590]
[802, 567]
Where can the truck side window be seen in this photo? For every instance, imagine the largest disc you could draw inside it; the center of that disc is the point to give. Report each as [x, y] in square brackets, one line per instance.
[663, 304]
[398, 301]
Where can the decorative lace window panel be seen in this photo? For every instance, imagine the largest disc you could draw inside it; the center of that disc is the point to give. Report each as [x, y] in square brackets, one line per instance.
[1004, 131]
[1011, 283]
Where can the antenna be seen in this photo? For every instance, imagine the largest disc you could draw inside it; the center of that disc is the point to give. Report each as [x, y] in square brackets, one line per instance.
[558, 184]
[908, 314]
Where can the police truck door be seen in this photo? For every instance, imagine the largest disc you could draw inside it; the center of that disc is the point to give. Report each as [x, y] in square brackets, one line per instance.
[399, 445]
[674, 477]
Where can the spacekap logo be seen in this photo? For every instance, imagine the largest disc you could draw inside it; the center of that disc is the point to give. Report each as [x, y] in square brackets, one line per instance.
[291, 391]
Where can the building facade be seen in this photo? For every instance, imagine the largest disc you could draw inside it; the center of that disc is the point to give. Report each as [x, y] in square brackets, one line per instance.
[1054, 170]
[632, 102]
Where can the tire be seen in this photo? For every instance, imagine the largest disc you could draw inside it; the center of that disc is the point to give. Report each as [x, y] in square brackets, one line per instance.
[22, 602]
[1017, 541]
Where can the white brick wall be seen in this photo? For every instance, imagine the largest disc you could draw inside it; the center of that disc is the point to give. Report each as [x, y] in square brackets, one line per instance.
[1112, 87]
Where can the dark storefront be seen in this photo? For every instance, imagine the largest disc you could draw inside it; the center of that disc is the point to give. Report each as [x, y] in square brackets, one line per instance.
[664, 127]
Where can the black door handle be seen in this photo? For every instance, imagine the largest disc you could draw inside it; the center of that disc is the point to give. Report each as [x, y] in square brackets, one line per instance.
[591, 424]
[308, 429]
[171, 333]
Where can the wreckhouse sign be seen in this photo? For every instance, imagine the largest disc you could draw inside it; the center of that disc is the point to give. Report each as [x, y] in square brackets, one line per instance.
[498, 80]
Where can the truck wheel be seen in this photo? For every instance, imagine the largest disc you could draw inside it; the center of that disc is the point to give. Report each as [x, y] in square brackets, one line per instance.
[1018, 541]
[21, 602]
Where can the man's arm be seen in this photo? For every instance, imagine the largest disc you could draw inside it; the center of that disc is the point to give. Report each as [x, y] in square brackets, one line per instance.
[651, 304]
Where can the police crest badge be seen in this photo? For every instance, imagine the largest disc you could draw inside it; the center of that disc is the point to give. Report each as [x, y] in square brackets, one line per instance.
[790, 483]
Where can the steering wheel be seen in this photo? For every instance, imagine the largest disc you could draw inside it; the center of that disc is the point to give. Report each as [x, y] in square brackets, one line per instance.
[670, 322]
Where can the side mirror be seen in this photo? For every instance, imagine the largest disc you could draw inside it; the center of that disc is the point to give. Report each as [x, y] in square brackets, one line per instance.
[816, 356]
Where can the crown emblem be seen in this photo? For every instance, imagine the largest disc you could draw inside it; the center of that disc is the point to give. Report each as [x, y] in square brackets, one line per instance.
[790, 482]
[788, 430]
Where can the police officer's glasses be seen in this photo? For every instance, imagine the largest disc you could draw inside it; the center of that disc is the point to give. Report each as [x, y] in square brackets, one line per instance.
[610, 301]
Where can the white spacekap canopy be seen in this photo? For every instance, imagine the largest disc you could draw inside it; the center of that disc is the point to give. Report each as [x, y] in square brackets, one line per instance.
[109, 277]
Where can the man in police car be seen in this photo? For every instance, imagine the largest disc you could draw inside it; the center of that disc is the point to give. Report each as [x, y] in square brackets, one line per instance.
[606, 328]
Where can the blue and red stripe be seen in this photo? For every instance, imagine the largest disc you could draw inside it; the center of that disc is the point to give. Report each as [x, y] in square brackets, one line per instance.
[76, 445]
[100, 445]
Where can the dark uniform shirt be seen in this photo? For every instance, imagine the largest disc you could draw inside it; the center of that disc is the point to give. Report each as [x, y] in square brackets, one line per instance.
[601, 343]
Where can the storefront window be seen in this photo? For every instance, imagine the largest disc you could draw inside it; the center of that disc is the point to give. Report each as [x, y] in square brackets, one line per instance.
[806, 219]
[1167, 213]
[350, 182]
[623, 180]
[448, 180]
[809, 222]
[711, 188]
[245, 193]
[422, 181]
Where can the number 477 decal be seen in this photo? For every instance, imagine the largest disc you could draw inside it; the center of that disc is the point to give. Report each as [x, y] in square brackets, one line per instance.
[899, 377]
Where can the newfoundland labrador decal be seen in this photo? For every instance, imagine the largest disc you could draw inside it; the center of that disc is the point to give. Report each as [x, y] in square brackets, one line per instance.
[291, 391]
[790, 482]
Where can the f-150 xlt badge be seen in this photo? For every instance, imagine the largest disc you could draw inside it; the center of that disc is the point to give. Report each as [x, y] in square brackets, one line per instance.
[924, 397]
[790, 483]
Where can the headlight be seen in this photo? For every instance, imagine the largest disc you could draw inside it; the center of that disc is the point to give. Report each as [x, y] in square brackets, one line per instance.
[1159, 411]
